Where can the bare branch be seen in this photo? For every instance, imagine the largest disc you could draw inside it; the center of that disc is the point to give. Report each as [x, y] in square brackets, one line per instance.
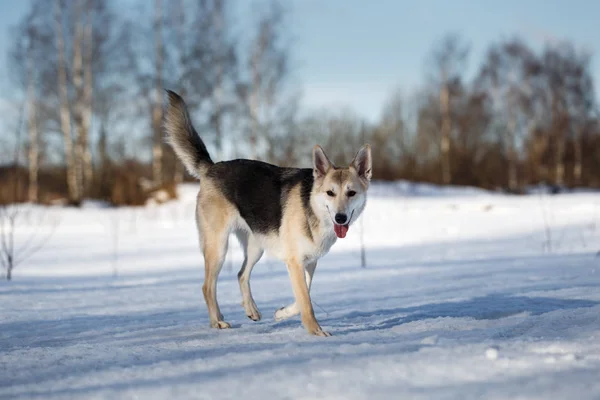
[11, 254]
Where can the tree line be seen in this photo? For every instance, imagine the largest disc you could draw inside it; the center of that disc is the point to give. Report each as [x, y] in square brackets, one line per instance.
[91, 81]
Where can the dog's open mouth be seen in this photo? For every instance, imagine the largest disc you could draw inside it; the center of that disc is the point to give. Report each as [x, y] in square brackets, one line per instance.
[341, 230]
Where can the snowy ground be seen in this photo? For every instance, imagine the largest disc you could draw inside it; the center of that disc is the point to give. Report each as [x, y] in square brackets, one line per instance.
[466, 295]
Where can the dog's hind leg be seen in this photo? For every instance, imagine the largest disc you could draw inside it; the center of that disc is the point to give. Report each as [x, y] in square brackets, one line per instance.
[292, 310]
[214, 226]
[252, 253]
[214, 255]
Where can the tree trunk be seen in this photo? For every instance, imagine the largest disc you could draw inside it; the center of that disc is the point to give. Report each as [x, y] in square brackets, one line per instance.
[178, 169]
[218, 116]
[559, 166]
[65, 112]
[255, 99]
[88, 171]
[559, 171]
[559, 137]
[512, 162]
[255, 127]
[577, 167]
[157, 150]
[79, 97]
[445, 134]
[512, 170]
[218, 94]
[102, 155]
[33, 155]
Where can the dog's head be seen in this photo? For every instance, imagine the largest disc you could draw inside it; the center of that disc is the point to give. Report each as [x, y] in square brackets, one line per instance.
[340, 194]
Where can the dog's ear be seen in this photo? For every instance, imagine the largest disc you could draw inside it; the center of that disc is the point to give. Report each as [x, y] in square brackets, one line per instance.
[362, 163]
[321, 163]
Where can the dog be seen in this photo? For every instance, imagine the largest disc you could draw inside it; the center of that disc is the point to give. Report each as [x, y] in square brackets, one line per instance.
[295, 214]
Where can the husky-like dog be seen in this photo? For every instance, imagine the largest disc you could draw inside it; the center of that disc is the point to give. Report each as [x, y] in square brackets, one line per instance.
[296, 214]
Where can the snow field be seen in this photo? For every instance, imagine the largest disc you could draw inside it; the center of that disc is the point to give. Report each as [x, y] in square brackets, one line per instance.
[467, 294]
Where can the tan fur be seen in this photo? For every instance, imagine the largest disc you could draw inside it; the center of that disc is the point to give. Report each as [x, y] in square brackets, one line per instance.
[214, 218]
[294, 216]
[293, 309]
[296, 271]
[253, 251]
[297, 244]
[306, 231]
[300, 242]
[340, 181]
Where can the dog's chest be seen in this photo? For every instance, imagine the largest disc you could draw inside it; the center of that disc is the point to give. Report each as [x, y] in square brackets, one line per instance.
[320, 245]
[299, 246]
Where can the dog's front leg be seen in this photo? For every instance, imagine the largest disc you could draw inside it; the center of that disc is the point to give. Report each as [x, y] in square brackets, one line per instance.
[293, 309]
[300, 288]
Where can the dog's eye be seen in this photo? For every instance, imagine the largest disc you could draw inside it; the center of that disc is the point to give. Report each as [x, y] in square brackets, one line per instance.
[330, 193]
[351, 193]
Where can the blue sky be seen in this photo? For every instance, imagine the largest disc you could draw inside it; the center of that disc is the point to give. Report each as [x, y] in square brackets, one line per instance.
[354, 53]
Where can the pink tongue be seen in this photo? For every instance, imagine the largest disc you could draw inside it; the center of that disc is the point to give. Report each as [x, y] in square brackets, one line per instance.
[340, 230]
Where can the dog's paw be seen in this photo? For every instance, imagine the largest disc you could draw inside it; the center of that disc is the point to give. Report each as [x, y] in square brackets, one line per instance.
[254, 316]
[320, 332]
[280, 314]
[252, 311]
[315, 329]
[220, 325]
[286, 312]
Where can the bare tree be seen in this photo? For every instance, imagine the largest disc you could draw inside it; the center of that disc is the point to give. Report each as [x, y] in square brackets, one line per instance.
[527, 117]
[15, 248]
[222, 98]
[78, 106]
[179, 22]
[200, 53]
[554, 68]
[32, 100]
[339, 131]
[27, 61]
[82, 85]
[448, 60]
[582, 106]
[65, 108]
[270, 109]
[113, 69]
[34, 151]
[78, 53]
[218, 19]
[393, 136]
[157, 147]
[505, 77]
[88, 86]
[563, 108]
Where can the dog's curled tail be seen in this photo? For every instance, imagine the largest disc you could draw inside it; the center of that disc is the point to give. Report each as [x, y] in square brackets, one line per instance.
[183, 138]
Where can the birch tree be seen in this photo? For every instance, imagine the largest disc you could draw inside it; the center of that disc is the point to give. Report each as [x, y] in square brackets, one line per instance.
[79, 103]
[23, 59]
[88, 85]
[448, 61]
[157, 147]
[270, 105]
[34, 152]
[504, 75]
[65, 106]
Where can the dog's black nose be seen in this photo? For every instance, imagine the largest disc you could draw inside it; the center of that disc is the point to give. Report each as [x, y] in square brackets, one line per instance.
[341, 218]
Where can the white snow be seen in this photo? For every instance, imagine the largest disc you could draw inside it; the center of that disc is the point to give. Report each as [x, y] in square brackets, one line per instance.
[467, 294]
